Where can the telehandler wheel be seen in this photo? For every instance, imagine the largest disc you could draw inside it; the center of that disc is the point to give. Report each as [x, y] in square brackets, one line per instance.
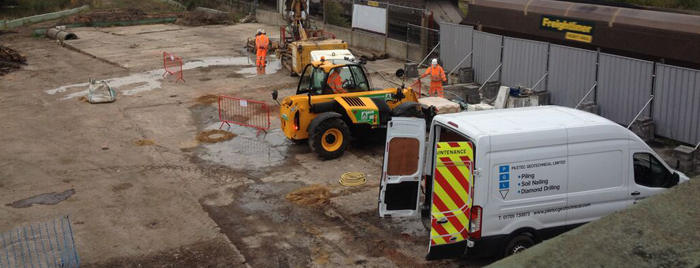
[330, 139]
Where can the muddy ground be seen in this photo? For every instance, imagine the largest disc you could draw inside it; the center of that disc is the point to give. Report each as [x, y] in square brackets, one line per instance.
[142, 191]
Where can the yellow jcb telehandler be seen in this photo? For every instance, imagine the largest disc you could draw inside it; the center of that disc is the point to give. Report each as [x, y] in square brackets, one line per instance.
[327, 119]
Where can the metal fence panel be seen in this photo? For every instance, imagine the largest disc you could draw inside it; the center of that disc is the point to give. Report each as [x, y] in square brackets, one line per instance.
[677, 103]
[624, 86]
[456, 42]
[422, 44]
[524, 62]
[571, 74]
[487, 56]
[46, 244]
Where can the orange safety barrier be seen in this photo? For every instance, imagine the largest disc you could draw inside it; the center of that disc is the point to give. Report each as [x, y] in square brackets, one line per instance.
[173, 66]
[244, 112]
[418, 85]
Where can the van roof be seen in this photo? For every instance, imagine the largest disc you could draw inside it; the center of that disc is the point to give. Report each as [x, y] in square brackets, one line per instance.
[522, 120]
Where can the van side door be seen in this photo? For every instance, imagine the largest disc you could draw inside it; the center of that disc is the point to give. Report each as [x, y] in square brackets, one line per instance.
[402, 170]
[649, 176]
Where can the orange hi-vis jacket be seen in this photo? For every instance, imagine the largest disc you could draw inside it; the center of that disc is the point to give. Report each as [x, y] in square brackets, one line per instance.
[437, 74]
[262, 42]
[336, 83]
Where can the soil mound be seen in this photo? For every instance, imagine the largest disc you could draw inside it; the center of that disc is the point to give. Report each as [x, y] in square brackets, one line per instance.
[214, 136]
[207, 99]
[144, 142]
[10, 60]
[310, 195]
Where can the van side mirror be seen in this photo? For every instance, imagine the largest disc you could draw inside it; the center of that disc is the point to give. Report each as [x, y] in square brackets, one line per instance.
[274, 94]
[675, 178]
[400, 73]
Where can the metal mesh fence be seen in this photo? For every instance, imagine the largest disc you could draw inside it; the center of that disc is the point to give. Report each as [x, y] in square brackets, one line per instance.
[422, 43]
[401, 15]
[46, 244]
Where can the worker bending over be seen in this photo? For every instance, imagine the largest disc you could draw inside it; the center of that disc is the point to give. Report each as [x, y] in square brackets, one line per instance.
[437, 76]
[261, 45]
[335, 82]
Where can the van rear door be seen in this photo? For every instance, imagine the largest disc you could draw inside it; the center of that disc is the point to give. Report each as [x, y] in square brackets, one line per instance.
[452, 197]
[403, 168]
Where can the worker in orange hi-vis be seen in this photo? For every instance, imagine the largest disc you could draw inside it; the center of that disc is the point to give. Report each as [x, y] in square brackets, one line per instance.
[335, 82]
[437, 76]
[261, 44]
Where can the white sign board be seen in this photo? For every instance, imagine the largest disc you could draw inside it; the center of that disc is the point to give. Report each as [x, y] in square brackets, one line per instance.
[369, 18]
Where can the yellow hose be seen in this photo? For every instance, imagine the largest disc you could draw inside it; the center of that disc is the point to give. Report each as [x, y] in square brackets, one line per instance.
[352, 179]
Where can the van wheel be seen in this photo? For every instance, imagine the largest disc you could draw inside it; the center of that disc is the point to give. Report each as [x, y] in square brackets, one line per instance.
[330, 139]
[518, 244]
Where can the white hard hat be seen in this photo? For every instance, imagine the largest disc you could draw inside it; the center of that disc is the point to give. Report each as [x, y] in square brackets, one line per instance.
[259, 31]
[434, 61]
[262, 31]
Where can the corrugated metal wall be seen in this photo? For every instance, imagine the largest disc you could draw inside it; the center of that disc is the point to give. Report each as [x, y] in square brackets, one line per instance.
[487, 56]
[571, 74]
[524, 62]
[677, 103]
[624, 86]
[455, 44]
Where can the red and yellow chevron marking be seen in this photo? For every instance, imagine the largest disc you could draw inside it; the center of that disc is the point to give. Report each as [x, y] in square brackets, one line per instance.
[452, 192]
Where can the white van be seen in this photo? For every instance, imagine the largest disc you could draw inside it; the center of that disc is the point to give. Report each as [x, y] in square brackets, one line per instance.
[497, 182]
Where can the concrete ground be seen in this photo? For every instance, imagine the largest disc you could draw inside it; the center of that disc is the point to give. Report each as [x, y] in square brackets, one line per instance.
[147, 194]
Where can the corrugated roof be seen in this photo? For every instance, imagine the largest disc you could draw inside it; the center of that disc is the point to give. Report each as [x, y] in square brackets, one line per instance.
[613, 15]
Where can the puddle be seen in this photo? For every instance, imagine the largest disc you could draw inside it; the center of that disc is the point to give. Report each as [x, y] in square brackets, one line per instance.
[43, 199]
[272, 67]
[151, 80]
[247, 151]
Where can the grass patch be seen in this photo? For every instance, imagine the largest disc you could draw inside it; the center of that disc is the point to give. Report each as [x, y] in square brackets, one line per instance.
[13, 9]
[335, 12]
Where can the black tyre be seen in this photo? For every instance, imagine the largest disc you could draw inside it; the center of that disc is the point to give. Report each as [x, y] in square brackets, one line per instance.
[518, 244]
[298, 142]
[414, 111]
[330, 139]
[425, 218]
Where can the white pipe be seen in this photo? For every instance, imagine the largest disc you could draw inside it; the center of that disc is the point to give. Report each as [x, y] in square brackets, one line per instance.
[460, 63]
[641, 111]
[586, 96]
[538, 82]
[488, 79]
[431, 52]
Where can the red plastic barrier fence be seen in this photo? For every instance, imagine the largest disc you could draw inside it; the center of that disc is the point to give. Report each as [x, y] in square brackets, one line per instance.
[417, 85]
[244, 112]
[173, 66]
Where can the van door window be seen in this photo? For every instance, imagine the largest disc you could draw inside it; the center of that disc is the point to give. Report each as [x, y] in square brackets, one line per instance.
[649, 172]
